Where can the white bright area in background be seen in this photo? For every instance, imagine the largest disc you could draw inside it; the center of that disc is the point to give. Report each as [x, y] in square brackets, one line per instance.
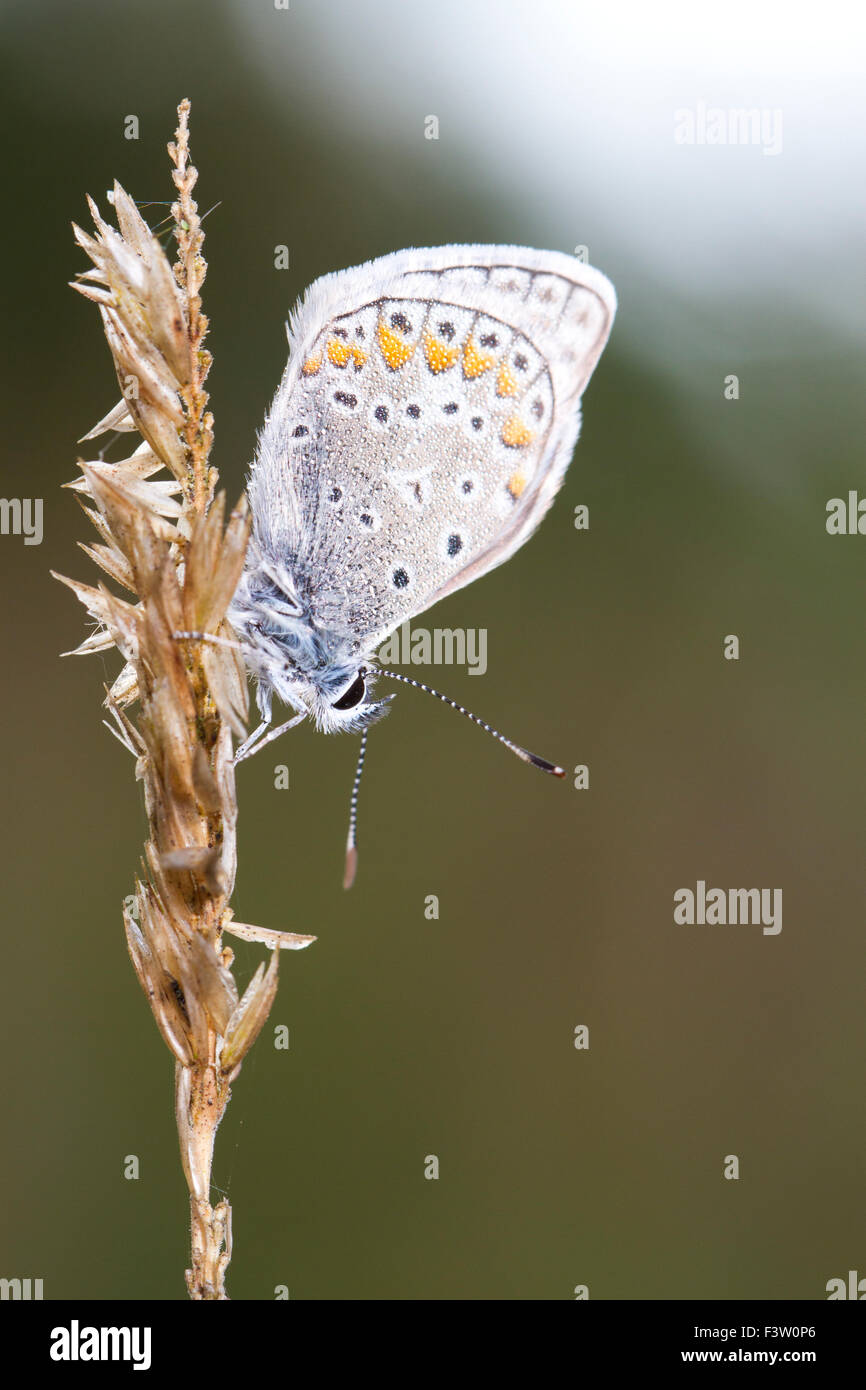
[567, 108]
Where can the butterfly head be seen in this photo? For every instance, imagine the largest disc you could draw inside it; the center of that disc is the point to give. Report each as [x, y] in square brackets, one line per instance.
[336, 696]
[340, 698]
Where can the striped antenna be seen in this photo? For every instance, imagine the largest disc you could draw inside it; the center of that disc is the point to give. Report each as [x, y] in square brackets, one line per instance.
[523, 753]
[207, 637]
[351, 841]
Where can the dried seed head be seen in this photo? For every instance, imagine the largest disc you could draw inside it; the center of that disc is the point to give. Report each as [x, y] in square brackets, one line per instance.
[166, 542]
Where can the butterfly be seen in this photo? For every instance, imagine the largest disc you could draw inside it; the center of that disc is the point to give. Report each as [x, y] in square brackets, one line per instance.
[422, 427]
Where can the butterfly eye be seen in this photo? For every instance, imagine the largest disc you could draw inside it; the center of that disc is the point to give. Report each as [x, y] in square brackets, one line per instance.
[353, 696]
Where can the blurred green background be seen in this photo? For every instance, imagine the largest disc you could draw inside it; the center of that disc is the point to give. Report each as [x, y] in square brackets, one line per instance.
[454, 1037]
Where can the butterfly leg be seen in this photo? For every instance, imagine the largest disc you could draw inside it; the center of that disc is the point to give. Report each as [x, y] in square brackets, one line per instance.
[264, 696]
[258, 738]
[248, 745]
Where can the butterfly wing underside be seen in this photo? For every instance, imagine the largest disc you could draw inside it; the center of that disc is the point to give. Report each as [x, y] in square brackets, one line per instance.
[424, 424]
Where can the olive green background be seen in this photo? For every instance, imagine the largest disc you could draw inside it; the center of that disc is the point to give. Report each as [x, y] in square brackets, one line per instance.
[454, 1037]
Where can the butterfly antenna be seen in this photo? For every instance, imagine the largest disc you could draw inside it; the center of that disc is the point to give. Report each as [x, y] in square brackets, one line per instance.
[351, 841]
[211, 637]
[523, 753]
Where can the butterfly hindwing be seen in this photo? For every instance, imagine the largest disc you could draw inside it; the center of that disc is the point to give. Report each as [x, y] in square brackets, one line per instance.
[425, 421]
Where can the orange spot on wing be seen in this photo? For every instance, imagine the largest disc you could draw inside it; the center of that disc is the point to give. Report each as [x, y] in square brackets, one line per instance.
[439, 355]
[515, 433]
[340, 353]
[506, 381]
[395, 352]
[312, 365]
[474, 361]
[516, 483]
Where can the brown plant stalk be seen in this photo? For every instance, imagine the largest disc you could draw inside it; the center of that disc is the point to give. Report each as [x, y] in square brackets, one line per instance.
[166, 541]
